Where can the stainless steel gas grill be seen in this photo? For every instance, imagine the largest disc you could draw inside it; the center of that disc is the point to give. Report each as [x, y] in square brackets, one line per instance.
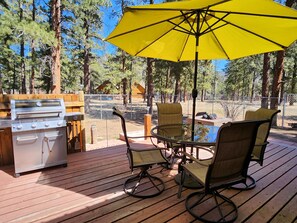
[38, 134]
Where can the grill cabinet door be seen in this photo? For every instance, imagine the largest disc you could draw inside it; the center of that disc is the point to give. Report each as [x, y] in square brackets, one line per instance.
[27, 150]
[54, 147]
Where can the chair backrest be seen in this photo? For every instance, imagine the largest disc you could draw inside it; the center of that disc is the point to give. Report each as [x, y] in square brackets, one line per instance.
[123, 122]
[263, 132]
[169, 113]
[234, 145]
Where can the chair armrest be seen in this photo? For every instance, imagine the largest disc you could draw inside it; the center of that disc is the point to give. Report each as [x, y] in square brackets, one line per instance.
[208, 149]
[262, 144]
[135, 137]
[155, 146]
[194, 159]
[138, 149]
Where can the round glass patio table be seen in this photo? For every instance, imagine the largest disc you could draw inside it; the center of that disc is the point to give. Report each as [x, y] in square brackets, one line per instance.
[204, 135]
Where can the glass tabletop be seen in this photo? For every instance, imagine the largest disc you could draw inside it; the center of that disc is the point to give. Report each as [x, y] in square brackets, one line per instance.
[181, 133]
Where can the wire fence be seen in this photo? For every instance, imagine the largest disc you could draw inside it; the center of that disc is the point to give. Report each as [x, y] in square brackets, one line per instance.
[98, 110]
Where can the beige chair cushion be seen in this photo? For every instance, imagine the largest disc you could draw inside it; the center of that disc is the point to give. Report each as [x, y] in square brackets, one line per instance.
[264, 129]
[197, 170]
[169, 113]
[148, 157]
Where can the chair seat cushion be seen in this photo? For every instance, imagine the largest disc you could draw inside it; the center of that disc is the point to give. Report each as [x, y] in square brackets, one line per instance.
[197, 170]
[148, 157]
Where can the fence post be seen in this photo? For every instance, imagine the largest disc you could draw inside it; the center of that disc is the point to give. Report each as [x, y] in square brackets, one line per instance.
[93, 134]
[147, 124]
[82, 123]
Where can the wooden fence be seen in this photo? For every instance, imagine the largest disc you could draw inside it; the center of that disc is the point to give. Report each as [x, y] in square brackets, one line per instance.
[75, 129]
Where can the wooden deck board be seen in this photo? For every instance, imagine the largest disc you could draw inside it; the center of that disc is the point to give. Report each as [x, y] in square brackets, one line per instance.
[90, 190]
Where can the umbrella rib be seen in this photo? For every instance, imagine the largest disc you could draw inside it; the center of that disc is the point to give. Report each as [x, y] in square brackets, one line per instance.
[142, 27]
[209, 29]
[253, 33]
[191, 31]
[220, 42]
[183, 48]
[182, 29]
[173, 28]
[256, 14]
[132, 8]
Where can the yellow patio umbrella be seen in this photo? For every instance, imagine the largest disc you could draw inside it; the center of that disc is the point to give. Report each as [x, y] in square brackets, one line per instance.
[205, 29]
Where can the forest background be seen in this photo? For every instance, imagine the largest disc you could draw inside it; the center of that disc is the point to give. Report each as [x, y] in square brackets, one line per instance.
[57, 46]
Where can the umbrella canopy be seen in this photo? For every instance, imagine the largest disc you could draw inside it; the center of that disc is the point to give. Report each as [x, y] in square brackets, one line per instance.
[214, 29]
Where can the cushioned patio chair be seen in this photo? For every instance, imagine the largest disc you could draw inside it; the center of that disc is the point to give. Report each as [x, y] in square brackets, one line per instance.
[169, 114]
[261, 140]
[144, 184]
[229, 165]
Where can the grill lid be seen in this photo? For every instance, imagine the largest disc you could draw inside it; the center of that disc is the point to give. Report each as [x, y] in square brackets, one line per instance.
[24, 109]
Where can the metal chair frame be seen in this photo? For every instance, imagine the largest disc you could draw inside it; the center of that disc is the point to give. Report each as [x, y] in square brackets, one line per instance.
[167, 116]
[261, 113]
[229, 166]
[142, 185]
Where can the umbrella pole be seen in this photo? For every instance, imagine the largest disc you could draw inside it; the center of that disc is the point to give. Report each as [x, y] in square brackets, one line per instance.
[194, 91]
[194, 95]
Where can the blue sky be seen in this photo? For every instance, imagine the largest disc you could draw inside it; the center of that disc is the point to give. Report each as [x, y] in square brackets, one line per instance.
[220, 64]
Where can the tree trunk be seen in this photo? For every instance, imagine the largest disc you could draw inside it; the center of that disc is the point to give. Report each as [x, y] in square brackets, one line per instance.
[150, 85]
[166, 96]
[87, 75]
[278, 74]
[184, 93]
[23, 68]
[1, 88]
[202, 89]
[177, 90]
[14, 78]
[124, 80]
[265, 81]
[56, 50]
[130, 90]
[253, 87]
[277, 78]
[22, 54]
[294, 80]
[32, 79]
[282, 88]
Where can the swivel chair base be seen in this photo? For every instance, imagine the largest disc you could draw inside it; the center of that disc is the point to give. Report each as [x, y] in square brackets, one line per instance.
[144, 185]
[223, 209]
[250, 184]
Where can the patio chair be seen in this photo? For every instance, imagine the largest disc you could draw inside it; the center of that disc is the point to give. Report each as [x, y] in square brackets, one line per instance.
[261, 140]
[171, 113]
[229, 165]
[144, 184]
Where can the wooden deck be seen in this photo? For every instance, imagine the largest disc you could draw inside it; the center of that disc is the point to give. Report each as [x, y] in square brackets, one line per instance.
[90, 190]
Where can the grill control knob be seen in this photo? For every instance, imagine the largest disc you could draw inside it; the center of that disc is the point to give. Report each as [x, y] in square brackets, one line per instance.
[19, 127]
[46, 124]
[60, 123]
[33, 126]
